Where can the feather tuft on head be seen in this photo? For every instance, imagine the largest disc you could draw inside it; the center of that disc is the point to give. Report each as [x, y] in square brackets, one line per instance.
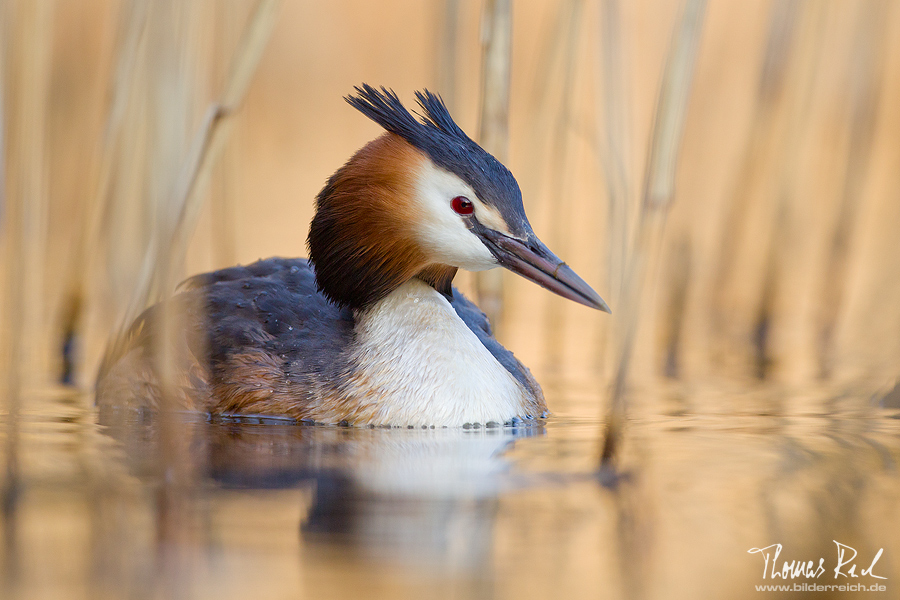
[384, 107]
[445, 143]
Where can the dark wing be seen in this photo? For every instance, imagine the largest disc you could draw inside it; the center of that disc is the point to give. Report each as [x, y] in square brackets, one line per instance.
[275, 300]
[271, 336]
[261, 330]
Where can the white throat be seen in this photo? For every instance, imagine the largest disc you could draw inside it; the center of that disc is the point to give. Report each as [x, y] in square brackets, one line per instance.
[417, 363]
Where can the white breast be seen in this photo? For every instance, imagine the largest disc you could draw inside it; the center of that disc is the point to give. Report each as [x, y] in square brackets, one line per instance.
[419, 364]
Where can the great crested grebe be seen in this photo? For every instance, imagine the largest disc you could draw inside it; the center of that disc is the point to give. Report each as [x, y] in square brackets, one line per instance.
[368, 331]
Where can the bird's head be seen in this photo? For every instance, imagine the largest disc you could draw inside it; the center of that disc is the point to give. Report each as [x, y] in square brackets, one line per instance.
[422, 201]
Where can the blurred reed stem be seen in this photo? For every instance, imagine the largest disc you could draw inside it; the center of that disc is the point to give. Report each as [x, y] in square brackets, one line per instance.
[94, 238]
[177, 222]
[162, 263]
[614, 150]
[658, 193]
[677, 273]
[865, 78]
[773, 118]
[172, 50]
[9, 366]
[795, 81]
[560, 192]
[493, 131]
[205, 148]
[24, 82]
[223, 197]
[153, 173]
[552, 52]
[27, 79]
[447, 51]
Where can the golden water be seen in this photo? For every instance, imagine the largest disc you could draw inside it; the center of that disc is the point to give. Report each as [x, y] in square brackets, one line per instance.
[285, 511]
[779, 261]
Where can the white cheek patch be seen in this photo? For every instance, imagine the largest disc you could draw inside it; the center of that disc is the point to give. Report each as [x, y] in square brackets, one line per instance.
[440, 231]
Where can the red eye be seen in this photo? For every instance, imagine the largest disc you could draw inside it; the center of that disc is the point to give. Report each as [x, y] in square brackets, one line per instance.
[462, 205]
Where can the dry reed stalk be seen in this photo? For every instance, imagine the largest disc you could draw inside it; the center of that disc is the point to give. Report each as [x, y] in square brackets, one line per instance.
[164, 260]
[168, 243]
[447, 51]
[168, 187]
[614, 151]
[493, 132]
[209, 140]
[201, 156]
[28, 77]
[92, 241]
[800, 82]
[10, 369]
[171, 48]
[865, 77]
[678, 275]
[25, 75]
[223, 197]
[559, 162]
[551, 54]
[658, 192]
[739, 272]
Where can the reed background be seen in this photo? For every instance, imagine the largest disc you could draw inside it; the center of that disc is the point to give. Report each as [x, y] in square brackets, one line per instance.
[758, 257]
[779, 260]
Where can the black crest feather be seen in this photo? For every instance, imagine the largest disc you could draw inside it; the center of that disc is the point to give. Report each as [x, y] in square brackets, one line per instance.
[438, 136]
[384, 107]
[437, 115]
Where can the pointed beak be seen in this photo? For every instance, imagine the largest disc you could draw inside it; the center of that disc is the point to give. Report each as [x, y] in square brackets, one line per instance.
[533, 260]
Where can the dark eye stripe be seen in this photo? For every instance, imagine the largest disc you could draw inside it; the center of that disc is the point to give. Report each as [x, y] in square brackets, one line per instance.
[462, 205]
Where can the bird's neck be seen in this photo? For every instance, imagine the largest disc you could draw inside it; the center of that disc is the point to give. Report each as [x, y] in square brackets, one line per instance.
[415, 362]
[360, 239]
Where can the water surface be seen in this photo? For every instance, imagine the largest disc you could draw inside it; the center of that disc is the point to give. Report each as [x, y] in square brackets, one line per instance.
[273, 510]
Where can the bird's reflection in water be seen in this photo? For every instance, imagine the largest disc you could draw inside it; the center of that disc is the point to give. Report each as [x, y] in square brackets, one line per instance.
[410, 496]
[414, 496]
